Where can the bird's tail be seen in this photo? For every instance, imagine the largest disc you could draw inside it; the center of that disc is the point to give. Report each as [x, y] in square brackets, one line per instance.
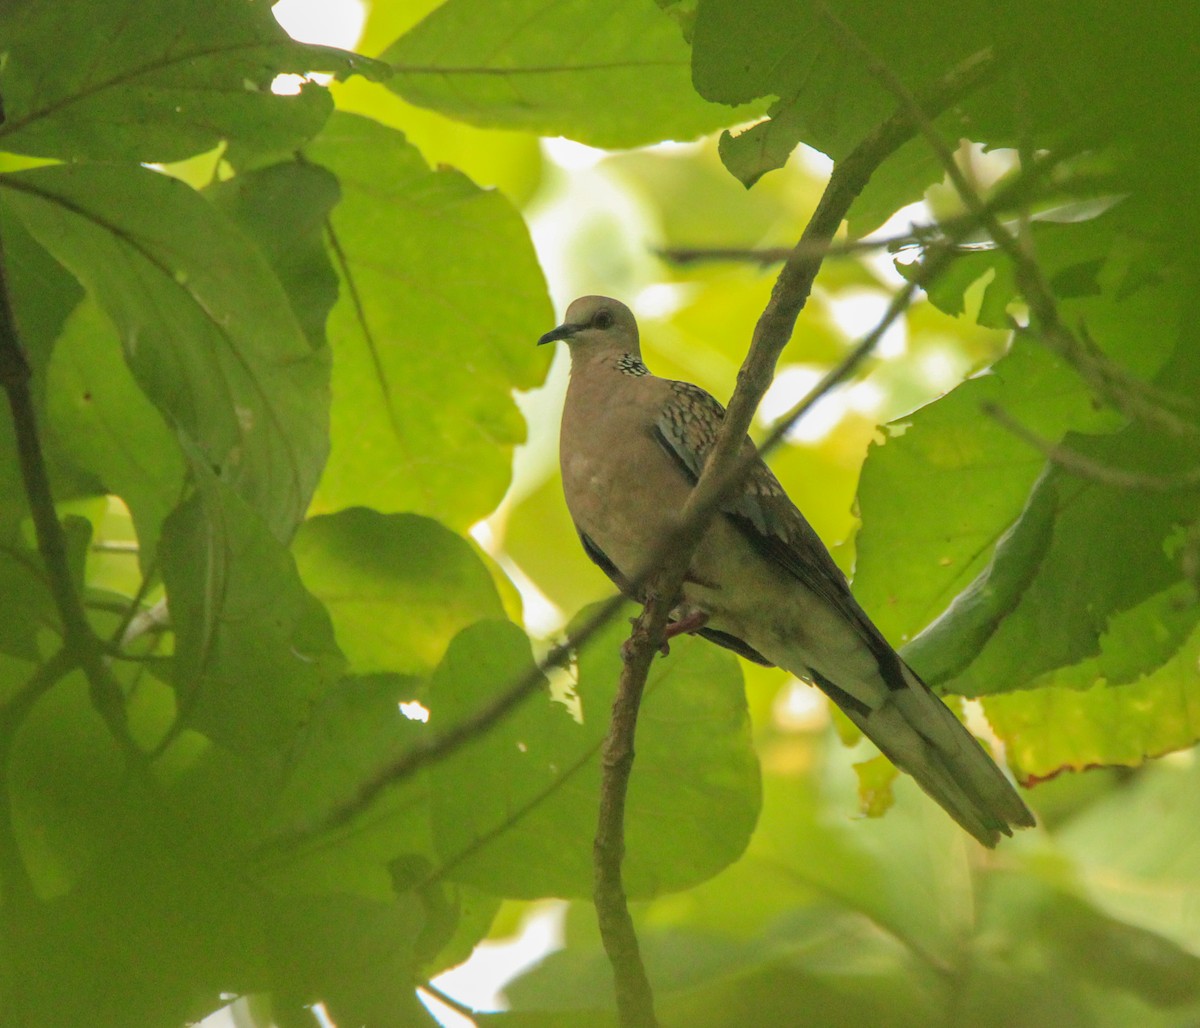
[920, 735]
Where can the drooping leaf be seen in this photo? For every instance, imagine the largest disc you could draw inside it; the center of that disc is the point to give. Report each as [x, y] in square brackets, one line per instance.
[441, 305]
[949, 481]
[611, 76]
[284, 208]
[207, 329]
[1056, 728]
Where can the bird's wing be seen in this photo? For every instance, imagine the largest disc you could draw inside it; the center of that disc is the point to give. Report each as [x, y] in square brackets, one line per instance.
[918, 732]
[687, 428]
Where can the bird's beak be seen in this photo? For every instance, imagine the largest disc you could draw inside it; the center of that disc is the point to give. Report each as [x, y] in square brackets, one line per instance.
[562, 332]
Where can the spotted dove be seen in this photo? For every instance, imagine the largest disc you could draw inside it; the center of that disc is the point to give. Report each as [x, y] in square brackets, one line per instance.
[632, 447]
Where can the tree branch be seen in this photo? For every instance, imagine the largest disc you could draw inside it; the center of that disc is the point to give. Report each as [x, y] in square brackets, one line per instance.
[723, 472]
[80, 642]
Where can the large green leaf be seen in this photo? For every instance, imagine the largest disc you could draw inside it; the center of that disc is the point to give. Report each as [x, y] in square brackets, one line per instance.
[514, 812]
[613, 75]
[207, 328]
[42, 293]
[442, 302]
[826, 95]
[399, 587]
[947, 482]
[163, 80]
[254, 650]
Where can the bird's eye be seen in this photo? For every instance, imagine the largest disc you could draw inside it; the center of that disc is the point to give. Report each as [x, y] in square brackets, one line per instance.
[603, 319]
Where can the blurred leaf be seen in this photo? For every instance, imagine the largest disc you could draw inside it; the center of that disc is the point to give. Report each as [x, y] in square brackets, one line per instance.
[163, 80]
[399, 587]
[42, 293]
[352, 954]
[875, 778]
[284, 209]
[62, 758]
[525, 826]
[22, 574]
[104, 423]
[254, 650]
[615, 76]
[442, 302]
[206, 327]
[1138, 850]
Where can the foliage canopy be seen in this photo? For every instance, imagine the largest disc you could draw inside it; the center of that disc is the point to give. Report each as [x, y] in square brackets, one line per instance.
[273, 350]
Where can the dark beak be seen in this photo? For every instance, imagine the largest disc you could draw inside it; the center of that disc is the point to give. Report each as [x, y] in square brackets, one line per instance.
[562, 332]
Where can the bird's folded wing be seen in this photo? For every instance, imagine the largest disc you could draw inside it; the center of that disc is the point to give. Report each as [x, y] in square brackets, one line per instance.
[760, 508]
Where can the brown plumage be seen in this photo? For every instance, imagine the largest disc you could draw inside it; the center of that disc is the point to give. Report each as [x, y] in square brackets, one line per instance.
[761, 582]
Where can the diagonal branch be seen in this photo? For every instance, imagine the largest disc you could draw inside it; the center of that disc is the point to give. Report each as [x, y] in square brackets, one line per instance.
[79, 641]
[723, 472]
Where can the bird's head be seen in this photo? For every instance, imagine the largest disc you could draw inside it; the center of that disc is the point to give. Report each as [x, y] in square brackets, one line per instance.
[596, 323]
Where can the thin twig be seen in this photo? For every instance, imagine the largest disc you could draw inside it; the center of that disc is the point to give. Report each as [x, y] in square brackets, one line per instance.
[456, 1005]
[1076, 463]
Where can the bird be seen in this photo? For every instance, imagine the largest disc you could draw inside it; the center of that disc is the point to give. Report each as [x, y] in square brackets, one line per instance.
[761, 582]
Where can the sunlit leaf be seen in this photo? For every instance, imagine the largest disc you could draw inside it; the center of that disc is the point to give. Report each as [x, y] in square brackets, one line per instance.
[609, 76]
[399, 587]
[441, 305]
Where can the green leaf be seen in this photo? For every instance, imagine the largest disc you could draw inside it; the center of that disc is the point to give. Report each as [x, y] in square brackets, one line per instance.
[514, 812]
[1138, 850]
[62, 758]
[254, 650]
[1058, 728]
[23, 575]
[399, 587]
[206, 327]
[442, 302]
[827, 96]
[284, 209]
[941, 490]
[613, 76]
[163, 81]
[352, 954]
[103, 423]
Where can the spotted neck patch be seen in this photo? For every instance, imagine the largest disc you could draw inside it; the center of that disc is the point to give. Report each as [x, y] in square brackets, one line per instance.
[629, 364]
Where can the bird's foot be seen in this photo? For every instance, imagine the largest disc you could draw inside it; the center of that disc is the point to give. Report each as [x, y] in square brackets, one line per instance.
[685, 625]
[690, 622]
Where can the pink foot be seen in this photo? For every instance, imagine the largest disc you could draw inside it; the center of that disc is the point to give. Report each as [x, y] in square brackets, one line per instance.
[683, 626]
